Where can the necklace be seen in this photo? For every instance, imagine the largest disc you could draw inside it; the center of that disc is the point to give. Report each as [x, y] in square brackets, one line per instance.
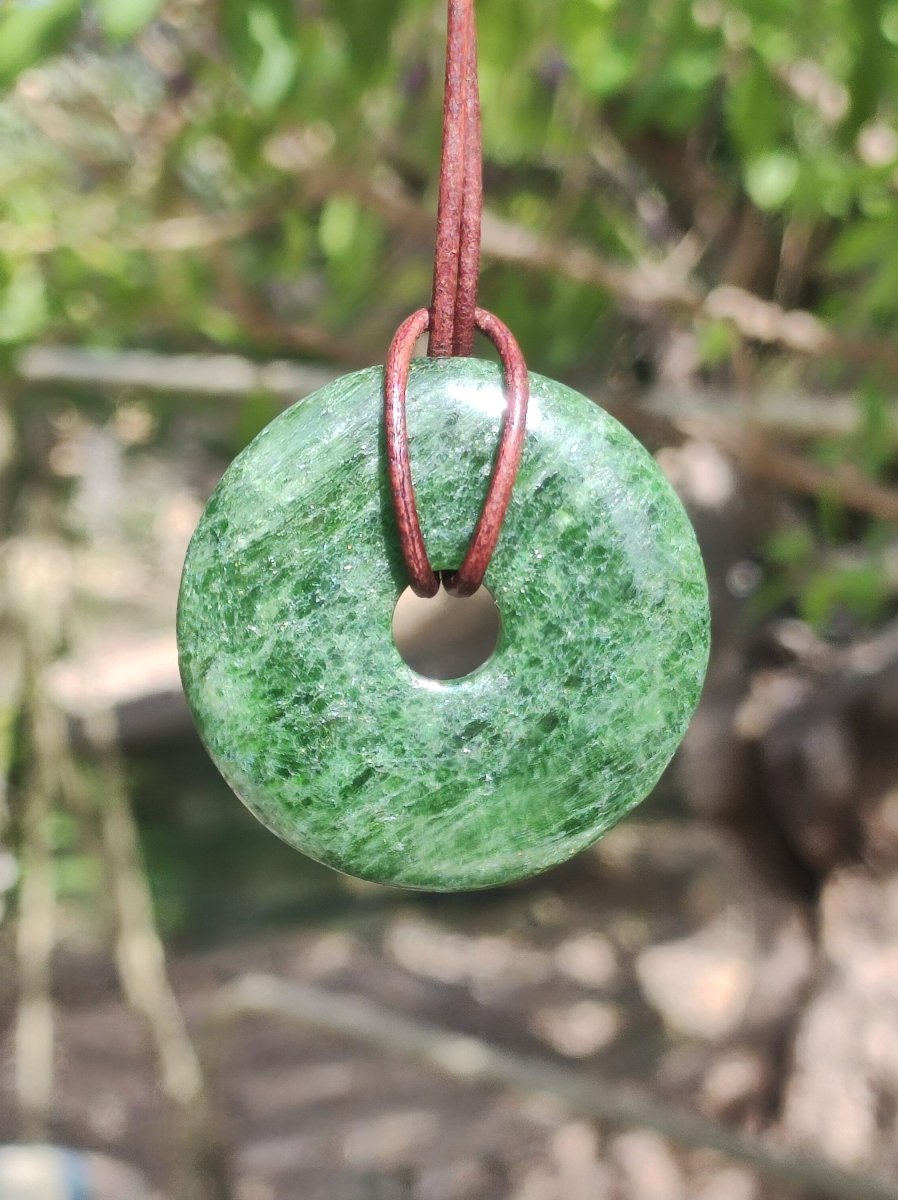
[372, 484]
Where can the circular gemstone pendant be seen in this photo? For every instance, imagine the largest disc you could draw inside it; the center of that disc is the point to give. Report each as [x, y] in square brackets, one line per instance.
[324, 731]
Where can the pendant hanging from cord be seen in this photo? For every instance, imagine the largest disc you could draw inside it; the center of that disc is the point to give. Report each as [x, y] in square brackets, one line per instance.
[337, 742]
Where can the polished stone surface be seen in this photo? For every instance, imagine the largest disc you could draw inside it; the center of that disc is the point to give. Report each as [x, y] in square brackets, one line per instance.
[334, 742]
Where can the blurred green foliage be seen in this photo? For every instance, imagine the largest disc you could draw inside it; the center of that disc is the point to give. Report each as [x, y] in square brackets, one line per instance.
[590, 106]
[191, 175]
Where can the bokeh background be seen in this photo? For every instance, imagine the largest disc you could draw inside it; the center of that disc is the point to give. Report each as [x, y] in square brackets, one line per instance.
[206, 210]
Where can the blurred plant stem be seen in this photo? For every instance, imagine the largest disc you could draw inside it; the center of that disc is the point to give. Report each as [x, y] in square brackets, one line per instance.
[40, 582]
[140, 958]
[36, 927]
[37, 579]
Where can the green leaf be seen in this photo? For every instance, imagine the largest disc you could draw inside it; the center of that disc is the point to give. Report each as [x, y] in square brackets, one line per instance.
[858, 588]
[77, 875]
[889, 24]
[338, 225]
[693, 69]
[717, 342]
[30, 32]
[607, 72]
[369, 26]
[862, 244]
[875, 449]
[753, 109]
[873, 67]
[262, 38]
[23, 307]
[257, 410]
[790, 546]
[770, 178]
[122, 19]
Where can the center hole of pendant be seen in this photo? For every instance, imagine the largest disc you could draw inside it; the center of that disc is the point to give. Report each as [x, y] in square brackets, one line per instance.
[446, 637]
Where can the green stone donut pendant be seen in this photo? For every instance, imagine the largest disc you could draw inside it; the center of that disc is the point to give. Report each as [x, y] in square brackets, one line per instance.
[317, 723]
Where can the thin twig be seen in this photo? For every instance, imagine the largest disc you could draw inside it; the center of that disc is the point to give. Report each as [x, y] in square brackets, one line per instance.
[192, 231]
[147, 371]
[35, 939]
[476, 1061]
[139, 952]
[777, 413]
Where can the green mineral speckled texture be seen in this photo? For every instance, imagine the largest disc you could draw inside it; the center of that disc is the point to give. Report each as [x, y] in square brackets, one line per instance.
[334, 742]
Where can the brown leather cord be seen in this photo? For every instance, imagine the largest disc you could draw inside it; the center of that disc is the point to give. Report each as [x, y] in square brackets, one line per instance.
[457, 256]
[451, 321]
[468, 578]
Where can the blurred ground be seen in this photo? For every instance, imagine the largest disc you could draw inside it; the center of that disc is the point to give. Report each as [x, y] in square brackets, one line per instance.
[659, 957]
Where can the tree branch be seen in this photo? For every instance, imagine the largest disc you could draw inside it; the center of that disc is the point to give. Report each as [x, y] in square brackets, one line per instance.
[647, 286]
[749, 443]
[473, 1060]
[148, 371]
